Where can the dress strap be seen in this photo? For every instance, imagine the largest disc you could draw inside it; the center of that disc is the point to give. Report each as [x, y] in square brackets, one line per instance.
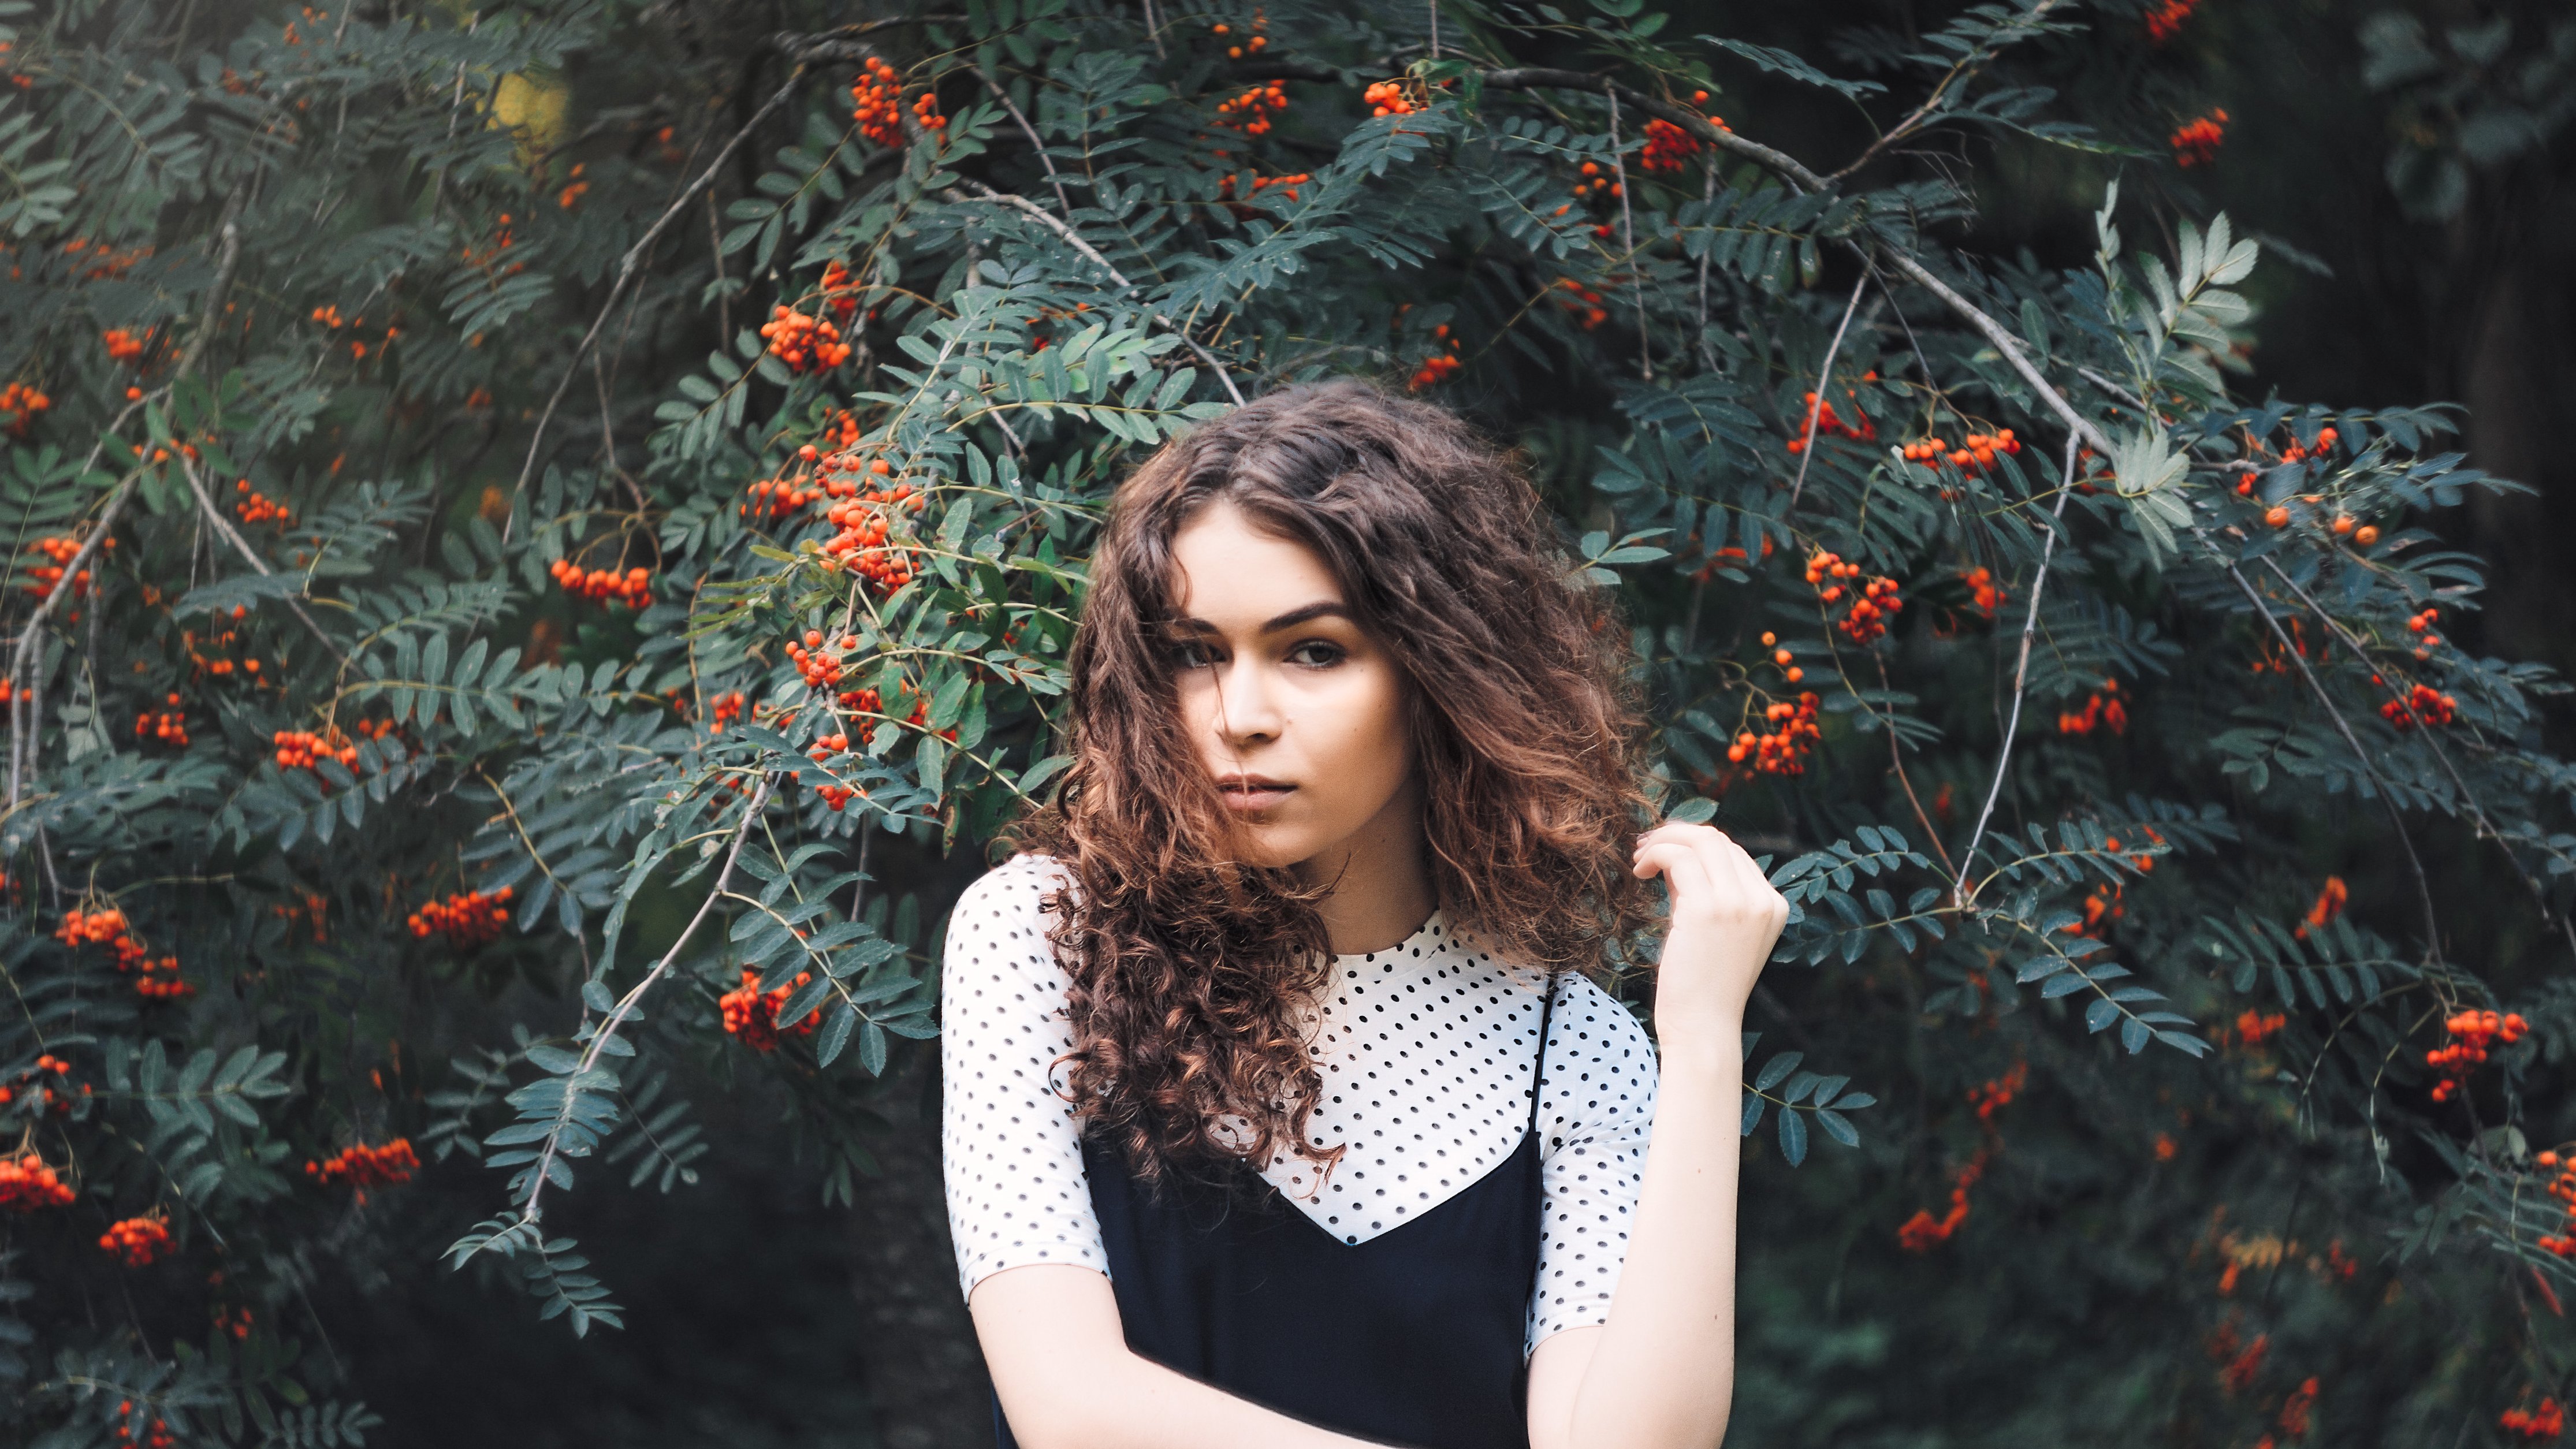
[1538, 1075]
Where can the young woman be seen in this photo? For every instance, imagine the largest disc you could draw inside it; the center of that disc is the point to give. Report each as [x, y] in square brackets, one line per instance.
[1278, 1110]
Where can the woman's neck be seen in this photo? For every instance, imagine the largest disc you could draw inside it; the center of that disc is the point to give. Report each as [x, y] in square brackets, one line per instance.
[1381, 883]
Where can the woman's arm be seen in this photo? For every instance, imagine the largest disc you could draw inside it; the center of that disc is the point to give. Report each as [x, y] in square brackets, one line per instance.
[1661, 1373]
[1067, 1380]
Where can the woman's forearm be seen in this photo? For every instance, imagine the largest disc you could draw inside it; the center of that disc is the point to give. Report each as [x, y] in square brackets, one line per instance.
[1067, 1380]
[1663, 1373]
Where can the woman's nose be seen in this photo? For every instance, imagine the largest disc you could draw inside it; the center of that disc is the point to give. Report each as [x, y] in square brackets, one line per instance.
[1247, 700]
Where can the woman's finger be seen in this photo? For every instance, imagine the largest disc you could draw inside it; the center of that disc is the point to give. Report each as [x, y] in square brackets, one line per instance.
[1683, 870]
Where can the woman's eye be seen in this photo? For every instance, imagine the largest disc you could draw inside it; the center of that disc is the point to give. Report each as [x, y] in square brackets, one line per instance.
[1189, 654]
[1317, 652]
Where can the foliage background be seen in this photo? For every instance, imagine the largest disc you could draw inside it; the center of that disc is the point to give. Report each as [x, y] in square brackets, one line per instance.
[230, 171]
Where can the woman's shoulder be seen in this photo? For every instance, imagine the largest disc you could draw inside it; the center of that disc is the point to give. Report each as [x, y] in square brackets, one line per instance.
[1588, 1013]
[1011, 895]
[1019, 882]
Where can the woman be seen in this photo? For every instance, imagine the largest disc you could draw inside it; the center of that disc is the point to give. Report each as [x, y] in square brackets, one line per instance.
[1278, 1111]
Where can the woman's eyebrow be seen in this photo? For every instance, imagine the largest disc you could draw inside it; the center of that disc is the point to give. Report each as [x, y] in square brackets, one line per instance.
[1321, 608]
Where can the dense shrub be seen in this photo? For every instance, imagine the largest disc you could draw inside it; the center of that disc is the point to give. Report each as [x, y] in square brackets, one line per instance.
[590, 498]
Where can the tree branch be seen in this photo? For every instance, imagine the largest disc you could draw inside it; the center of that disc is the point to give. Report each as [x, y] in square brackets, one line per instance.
[2423, 885]
[1074, 239]
[2021, 677]
[241, 545]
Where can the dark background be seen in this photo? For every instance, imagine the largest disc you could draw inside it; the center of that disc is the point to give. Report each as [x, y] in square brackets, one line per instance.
[748, 1280]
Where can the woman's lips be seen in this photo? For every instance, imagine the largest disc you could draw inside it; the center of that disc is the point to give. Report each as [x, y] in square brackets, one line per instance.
[1252, 799]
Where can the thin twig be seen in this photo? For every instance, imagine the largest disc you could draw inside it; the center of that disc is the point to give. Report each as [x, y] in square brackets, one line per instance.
[23, 716]
[1966, 67]
[23, 734]
[626, 1004]
[2021, 677]
[2254, 596]
[241, 545]
[1035, 143]
[2485, 826]
[1525, 78]
[626, 270]
[1807, 450]
[1074, 239]
[1627, 224]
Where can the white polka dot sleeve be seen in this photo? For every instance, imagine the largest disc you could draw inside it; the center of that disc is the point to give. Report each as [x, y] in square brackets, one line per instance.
[1009, 1151]
[1598, 1113]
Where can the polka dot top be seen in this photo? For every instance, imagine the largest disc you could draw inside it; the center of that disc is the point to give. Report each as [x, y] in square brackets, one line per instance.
[1426, 1050]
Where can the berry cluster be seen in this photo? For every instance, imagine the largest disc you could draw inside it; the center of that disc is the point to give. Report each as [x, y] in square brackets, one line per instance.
[27, 1184]
[1975, 453]
[2563, 1188]
[821, 669]
[1596, 181]
[752, 1015]
[137, 1240]
[2195, 142]
[925, 114]
[157, 979]
[725, 708]
[304, 750]
[2473, 1033]
[860, 545]
[169, 726]
[1584, 302]
[633, 587]
[2254, 1028]
[2165, 21]
[2329, 904]
[363, 1167]
[258, 508]
[1986, 594]
[39, 1094]
[1390, 98]
[1780, 654]
[1784, 748]
[865, 702]
[1826, 423]
[2546, 1422]
[879, 93]
[125, 344]
[155, 1434]
[2423, 705]
[1999, 1092]
[805, 344]
[1251, 111]
[1874, 600]
[775, 498]
[467, 918]
[60, 549]
[2252, 464]
[1436, 368]
[19, 405]
[101, 928]
[2421, 626]
[1251, 45]
[1922, 1232]
[1669, 147]
[2102, 710]
[1287, 185]
[840, 292]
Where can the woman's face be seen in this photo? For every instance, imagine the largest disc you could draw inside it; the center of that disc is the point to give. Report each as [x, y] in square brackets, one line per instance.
[1298, 714]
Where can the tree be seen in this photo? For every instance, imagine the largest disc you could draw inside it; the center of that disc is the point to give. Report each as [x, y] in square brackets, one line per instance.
[548, 528]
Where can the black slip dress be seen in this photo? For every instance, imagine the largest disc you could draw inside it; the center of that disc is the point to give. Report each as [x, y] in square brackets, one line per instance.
[1412, 1338]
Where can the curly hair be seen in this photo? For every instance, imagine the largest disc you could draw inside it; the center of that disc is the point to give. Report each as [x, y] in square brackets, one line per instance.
[1188, 966]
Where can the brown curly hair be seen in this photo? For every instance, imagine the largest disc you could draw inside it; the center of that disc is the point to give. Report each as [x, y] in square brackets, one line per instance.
[1187, 965]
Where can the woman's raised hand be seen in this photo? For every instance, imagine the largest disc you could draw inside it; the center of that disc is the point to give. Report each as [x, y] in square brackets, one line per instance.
[1725, 918]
